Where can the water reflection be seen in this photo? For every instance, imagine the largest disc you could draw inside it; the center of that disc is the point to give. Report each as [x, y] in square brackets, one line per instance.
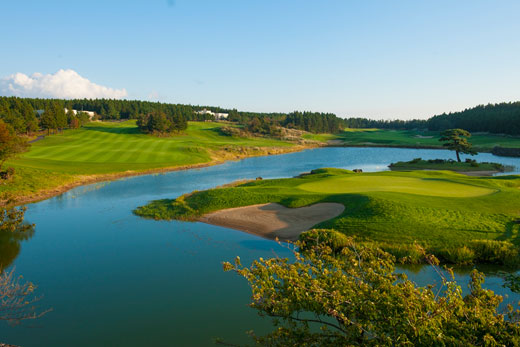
[10, 243]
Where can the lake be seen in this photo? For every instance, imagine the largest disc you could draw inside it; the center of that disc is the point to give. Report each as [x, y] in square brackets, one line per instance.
[112, 278]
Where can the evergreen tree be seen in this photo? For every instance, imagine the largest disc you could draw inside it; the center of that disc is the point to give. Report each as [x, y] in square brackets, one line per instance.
[48, 120]
[456, 140]
[29, 116]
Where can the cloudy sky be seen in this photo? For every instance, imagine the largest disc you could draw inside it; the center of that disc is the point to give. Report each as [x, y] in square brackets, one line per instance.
[380, 59]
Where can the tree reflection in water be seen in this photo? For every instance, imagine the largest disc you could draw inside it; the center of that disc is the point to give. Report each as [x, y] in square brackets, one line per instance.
[13, 230]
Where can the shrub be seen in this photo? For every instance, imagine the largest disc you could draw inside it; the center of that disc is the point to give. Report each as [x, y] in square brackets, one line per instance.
[472, 162]
[461, 255]
[404, 253]
[7, 174]
[415, 161]
[332, 238]
[318, 298]
[495, 252]
[499, 167]
[233, 131]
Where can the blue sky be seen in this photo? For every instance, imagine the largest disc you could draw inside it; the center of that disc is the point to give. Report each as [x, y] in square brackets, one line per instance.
[380, 59]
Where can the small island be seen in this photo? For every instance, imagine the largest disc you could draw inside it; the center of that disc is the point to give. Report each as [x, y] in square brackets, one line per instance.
[460, 219]
[469, 166]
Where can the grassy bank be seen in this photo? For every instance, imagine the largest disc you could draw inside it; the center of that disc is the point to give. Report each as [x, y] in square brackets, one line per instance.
[109, 150]
[451, 165]
[451, 215]
[410, 138]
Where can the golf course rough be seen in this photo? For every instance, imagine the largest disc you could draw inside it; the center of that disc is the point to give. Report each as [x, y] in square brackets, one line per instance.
[449, 214]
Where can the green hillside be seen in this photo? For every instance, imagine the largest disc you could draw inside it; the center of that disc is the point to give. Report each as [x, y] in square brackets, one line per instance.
[411, 138]
[101, 148]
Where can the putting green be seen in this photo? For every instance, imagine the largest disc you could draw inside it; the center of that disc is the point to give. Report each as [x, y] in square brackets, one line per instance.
[410, 185]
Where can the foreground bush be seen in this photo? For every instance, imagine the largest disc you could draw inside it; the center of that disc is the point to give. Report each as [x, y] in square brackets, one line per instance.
[355, 298]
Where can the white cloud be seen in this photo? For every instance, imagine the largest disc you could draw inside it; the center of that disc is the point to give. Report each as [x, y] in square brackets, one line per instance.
[64, 84]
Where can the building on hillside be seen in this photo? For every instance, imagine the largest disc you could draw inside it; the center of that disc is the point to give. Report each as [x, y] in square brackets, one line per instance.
[222, 116]
[73, 111]
[91, 114]
[217, 116]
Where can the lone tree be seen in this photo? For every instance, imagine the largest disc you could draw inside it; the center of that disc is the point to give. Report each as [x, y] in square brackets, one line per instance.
[335, 292]
[10, 144]
[456, 140]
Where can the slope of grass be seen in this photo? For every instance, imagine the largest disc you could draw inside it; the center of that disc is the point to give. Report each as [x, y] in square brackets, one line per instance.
[443, 211]
[360, 137]
[112, 148]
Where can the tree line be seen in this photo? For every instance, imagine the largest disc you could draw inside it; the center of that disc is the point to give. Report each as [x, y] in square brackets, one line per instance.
[160, 123]
[502, 118]
[20, 114]
[315, 122]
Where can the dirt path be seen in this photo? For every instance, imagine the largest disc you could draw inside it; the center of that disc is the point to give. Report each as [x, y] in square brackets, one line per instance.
[274, 220]
[41, 137]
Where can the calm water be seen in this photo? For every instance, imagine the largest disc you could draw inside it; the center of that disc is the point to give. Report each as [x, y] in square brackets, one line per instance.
[112, 278]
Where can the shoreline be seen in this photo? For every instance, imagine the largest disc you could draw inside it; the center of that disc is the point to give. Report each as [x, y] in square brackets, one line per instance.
[84, 180]
[95, 178]
[364, 145]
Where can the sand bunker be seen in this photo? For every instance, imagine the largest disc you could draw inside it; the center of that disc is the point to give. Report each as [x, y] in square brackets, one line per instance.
[274, 220]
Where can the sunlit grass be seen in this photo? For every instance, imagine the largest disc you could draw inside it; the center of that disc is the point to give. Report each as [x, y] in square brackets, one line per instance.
[441, 210]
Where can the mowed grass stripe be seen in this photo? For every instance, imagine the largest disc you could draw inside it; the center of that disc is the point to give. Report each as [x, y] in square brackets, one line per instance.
[58, 152]
[108, 144]
[137, 151]
[131, 152]
[150, 154]
[116, 144]
[112, 150]
[72, 147]
[118, 153]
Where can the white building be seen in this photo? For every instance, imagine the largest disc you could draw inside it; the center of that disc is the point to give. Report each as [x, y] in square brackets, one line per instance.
[216, 115]
[90, 113]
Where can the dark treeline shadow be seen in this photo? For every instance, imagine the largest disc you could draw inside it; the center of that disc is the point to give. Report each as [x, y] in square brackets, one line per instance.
[10, 245]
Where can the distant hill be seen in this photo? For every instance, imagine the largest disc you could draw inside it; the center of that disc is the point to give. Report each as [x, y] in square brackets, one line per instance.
[503, 118]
